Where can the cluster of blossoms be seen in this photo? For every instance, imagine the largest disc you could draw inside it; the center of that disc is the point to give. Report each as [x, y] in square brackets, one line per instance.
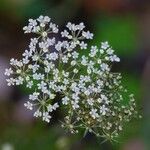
[91, 94]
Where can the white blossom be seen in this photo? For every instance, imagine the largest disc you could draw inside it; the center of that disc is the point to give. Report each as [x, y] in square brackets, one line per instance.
[89, 91]
[81, 26]
[52, 56]
[65, 100]
[103, 110]
[94, 113]
[8, 72]
[46, 117]
[83, 45]
[87, 35]
[10, 81]
[114, 58]
[38, 113]
[28, 105]
[34, 96]
[64, 33]
[104, 45]
[51, 41]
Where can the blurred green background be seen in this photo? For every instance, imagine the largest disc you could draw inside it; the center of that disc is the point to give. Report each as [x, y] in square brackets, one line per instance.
[124, 23]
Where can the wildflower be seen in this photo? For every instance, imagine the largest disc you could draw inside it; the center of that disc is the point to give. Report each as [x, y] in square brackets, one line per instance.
[8, 72]
[103, 110]
[83, 45]
[28, 105]
[90, 92]
[94, 113]
[37, 114]
[34, 96]
[87, 35]
[46, 117]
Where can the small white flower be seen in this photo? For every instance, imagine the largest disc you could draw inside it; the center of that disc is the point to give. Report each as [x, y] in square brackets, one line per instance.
[66, 81]
[114, 58]
[84, 61]
[64, 59]
[28, 105]
[110, 51]
[90, 101]
[51, 41]
[55, 106]
[104, 67]
[42, 21]
[49, 108]
[75, 55]
[83, 45]
[54, 27]
[42, 85]
[94, 113]
[19, 63]
[25, 60]
[19, 81]
[93, 51]
[34, 41]
[10, 81]
[27, 53]
[81, 26]
[8, 72]
[87, 35]
[38, 76]
[64, 33]
[13, 62]
[36, 29]
[71, 27]
[37, 114]
[58, 46]
[104, 45]
[47, 19]
[75, 96]
[34, 67]
[34, 96]
[75, 104]
[65, 100]
[103, 110]
[32, 22]
[27, 29]
[52, 56]
[44, 46]
[46, 117]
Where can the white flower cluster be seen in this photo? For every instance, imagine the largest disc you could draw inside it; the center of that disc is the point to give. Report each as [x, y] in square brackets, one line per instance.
[91, 94]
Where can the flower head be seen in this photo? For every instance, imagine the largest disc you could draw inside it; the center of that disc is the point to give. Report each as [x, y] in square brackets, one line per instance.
[92, 95]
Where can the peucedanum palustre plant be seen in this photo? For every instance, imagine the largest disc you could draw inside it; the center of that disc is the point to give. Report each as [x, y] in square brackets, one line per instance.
[90, 93]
